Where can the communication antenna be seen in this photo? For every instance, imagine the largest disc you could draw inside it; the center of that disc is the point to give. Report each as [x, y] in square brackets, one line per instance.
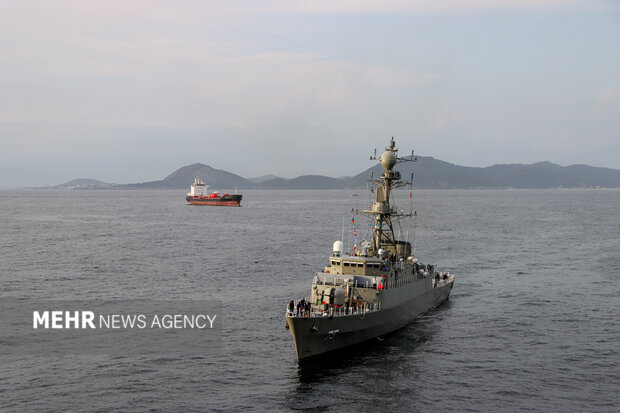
[372, 173]
[415, 232]
[410, 211]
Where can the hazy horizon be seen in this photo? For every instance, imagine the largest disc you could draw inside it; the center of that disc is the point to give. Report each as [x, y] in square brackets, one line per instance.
[129, 92]
[153, 179]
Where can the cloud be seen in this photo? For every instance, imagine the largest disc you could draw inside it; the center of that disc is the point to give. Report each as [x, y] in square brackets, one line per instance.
[152, 80]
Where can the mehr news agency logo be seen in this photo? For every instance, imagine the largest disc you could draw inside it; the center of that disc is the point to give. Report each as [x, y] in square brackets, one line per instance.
[89, 320]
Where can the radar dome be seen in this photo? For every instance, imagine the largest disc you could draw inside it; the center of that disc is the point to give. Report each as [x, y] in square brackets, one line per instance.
[388, 160]
[338, 248]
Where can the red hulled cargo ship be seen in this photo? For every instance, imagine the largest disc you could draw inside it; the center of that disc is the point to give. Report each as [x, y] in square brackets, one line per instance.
[198, 196]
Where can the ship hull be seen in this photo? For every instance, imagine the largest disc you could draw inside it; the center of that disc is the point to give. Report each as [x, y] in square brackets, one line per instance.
[226, 200]
[314, 336]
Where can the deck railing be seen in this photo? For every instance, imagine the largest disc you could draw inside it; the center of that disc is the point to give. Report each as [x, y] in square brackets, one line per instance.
[340, 311]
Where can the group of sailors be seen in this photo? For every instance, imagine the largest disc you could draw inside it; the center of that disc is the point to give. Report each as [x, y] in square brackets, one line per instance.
[440, 276]
[302, 308]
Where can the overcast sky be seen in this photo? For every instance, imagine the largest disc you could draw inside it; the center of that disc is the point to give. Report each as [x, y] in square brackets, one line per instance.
[129, 91]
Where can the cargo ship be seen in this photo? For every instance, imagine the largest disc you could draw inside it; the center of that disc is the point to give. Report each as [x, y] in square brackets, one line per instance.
[198, 195]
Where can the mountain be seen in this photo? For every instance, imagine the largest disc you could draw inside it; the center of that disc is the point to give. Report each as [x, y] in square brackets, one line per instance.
[84, 183]
[263, 178]
[302, 182]
[433, 173]
[428, 173]
[183, 177]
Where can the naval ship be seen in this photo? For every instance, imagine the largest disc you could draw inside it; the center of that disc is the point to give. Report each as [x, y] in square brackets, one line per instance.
[198, 195]
[373, 290]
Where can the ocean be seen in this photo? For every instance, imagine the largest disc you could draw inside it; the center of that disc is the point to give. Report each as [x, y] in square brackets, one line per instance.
[532, 324]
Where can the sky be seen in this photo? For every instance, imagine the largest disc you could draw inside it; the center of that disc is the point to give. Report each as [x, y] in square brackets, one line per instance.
[129, 91]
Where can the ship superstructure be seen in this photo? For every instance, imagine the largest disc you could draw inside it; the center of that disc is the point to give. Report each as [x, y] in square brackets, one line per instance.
[373, 290]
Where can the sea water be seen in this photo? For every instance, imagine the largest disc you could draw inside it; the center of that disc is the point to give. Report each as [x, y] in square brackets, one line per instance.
[533, 322]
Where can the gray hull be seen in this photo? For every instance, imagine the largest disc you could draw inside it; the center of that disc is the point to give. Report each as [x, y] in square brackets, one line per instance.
[400, 306]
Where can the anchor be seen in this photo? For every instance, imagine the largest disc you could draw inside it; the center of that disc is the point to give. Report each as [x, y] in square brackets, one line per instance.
[315, 327]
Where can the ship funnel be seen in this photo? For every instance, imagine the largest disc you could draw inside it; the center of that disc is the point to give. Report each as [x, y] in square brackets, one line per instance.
[338, 248]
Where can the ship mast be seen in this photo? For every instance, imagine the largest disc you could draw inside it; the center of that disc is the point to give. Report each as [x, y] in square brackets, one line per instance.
[381, 212]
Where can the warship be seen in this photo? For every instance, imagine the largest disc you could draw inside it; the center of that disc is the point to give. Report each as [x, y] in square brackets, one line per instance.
[198, 195]
[374, 289]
